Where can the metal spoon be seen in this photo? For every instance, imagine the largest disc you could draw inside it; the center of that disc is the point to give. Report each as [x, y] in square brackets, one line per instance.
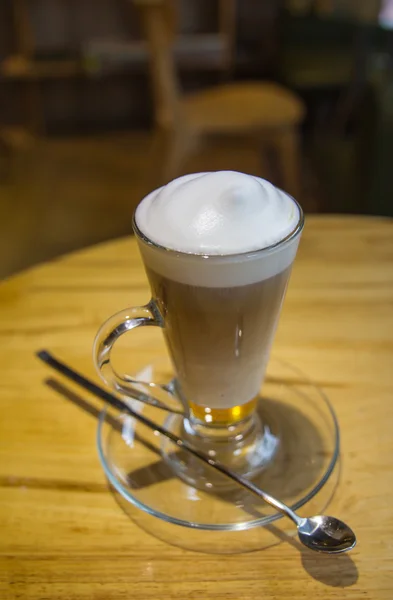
[323, 534]
[319, 533]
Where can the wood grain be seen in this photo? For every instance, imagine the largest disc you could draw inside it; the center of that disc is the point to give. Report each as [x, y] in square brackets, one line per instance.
[62, 534]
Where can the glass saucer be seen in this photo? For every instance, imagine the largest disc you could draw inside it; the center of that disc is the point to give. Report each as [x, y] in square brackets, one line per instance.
[302, 439]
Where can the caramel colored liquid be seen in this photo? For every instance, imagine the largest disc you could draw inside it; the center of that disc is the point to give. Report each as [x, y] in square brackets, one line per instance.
[223, 416]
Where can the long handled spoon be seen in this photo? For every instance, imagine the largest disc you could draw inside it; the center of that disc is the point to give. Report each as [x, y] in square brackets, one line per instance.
[320, 533]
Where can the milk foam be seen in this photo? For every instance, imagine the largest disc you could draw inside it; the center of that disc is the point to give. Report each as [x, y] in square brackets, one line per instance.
[206, 218]
[217, 213]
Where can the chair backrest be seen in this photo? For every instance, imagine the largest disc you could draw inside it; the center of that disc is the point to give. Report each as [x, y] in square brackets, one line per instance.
[23, 29]
[159, 20]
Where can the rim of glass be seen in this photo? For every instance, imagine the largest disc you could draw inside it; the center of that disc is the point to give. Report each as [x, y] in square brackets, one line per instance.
[242, 526]
[293, 234]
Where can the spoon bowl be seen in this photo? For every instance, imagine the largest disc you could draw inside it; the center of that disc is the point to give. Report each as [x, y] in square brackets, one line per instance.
[326, 534]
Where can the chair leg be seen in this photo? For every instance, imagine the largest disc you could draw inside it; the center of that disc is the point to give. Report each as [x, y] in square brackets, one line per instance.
[159, 146]
[287, 146]
[171, 151]
[181, 147]
[174, 158]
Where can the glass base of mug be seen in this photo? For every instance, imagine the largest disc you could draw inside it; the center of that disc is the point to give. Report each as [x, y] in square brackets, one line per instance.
[247, 446]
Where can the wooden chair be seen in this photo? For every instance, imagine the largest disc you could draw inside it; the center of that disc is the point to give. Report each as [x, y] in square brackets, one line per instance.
[265, 111]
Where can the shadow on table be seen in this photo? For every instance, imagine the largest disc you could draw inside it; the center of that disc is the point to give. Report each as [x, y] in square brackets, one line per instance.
[331, 570]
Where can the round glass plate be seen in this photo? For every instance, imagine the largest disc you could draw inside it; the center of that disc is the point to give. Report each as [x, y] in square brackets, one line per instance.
[301, 435]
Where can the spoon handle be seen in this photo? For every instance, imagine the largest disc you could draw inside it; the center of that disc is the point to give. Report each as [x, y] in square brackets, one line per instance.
[277, 504]
[122, 406]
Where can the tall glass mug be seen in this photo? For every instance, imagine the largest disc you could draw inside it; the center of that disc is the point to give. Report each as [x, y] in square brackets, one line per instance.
[218, 314]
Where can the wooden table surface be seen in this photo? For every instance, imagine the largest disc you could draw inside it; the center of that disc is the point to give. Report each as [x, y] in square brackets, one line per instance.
[62, 536]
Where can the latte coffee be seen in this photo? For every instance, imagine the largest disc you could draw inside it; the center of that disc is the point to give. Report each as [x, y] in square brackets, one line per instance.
[218, 250]
[219, 337]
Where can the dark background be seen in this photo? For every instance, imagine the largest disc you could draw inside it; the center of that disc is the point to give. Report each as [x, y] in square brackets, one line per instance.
[80, 127]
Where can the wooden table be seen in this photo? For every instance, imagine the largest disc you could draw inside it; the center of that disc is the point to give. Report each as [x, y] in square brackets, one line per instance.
[63, 536]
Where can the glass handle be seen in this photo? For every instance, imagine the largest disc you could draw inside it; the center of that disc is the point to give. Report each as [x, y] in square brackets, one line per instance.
[160, 396]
